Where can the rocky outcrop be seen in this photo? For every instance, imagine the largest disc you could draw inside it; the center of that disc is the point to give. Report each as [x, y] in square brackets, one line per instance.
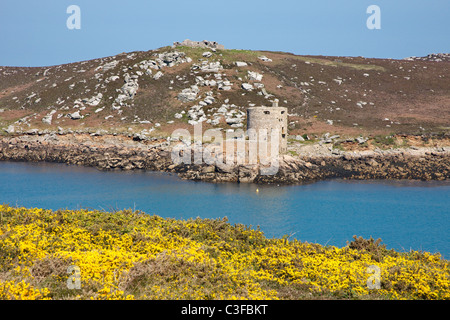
[199, 44]
[188, 94]
[123, 154]
[437, 57]
[129, 153]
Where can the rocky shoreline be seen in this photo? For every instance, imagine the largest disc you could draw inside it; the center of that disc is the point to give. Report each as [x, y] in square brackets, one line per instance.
[109, 152]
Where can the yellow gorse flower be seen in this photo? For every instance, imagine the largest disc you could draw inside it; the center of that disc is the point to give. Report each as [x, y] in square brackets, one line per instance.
[128, 255]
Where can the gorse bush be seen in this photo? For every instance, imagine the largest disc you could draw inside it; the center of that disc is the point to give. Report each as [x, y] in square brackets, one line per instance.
[370, 246]
[132, 255]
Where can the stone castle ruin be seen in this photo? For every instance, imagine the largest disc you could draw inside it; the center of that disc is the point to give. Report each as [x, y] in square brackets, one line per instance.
[269, 119]
[265, 140]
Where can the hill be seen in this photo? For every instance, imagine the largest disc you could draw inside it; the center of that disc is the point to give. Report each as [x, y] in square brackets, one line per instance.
[157, 91]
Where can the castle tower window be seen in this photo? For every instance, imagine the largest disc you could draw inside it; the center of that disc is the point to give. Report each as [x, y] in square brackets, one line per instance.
[266, 112]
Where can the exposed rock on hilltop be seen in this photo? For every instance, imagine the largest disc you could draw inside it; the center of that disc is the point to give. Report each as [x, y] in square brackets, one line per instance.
[437, 57]
[199, 44]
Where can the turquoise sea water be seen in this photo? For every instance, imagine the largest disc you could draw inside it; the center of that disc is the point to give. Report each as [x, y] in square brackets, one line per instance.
[404, 214]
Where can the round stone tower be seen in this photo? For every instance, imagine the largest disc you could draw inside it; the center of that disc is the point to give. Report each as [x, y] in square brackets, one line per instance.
[268, 118]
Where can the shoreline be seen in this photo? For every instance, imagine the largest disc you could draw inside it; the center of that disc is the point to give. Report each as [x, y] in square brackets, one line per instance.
[317, 162]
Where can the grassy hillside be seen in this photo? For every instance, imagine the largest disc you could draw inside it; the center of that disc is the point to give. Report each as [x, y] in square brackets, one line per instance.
[344, 95]
[131, 255]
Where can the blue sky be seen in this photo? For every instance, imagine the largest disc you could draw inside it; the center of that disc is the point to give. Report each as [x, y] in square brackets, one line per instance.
[34, 33]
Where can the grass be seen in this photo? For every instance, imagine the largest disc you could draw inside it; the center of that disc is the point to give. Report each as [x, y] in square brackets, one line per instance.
[338, 146]
[383, 141]
[226, 56]
[133, 255]
[232, 55]
[326, 62]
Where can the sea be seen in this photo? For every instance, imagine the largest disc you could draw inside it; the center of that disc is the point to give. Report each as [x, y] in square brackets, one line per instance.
[406, 215]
